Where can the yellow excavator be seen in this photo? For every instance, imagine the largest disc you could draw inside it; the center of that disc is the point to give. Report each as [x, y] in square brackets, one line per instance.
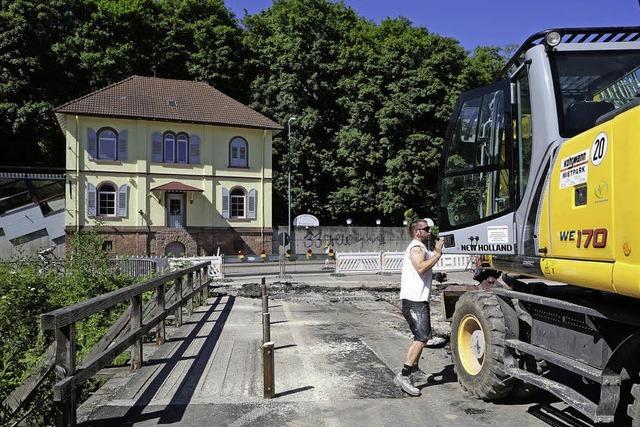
[539, 175]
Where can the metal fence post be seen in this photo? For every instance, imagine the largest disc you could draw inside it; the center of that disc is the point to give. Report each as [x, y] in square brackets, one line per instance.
[284, 265]
[266, 327]
[266, 317]
[268, 370]
[265, 296]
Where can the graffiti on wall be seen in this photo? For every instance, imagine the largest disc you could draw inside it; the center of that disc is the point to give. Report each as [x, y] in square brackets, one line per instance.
[316, 239]
[352, 239]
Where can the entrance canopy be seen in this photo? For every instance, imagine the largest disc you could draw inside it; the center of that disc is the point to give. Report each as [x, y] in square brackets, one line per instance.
[176, 187]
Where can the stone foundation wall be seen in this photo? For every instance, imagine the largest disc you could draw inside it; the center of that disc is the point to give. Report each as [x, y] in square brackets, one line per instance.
[198, 241]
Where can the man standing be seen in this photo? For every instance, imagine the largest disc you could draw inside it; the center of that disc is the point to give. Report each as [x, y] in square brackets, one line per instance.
[415, 287]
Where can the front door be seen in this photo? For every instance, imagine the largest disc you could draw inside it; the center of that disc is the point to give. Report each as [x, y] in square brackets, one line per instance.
[175, 210]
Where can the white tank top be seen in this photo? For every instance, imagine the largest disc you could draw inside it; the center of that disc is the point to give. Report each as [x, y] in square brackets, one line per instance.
[414, 286]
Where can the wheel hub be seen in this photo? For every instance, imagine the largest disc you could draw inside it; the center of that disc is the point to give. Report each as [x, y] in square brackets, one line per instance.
[471, 344]
[477, 344]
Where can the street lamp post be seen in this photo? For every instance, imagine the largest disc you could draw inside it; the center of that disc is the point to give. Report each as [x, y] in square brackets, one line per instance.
[291, 120]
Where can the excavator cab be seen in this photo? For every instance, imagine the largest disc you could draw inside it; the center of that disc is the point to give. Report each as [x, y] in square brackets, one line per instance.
[503, 138]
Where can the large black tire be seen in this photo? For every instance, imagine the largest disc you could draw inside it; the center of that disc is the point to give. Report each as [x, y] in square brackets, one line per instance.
[481, 373]
[633, 410]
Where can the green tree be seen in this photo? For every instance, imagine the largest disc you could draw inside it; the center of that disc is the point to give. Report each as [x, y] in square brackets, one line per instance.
[32, 80]
[201, 40]
[373, 102]
[111, 41]
[293, 67]
[483, 65]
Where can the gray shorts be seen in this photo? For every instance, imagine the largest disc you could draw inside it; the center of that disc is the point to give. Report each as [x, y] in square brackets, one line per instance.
[418, 316]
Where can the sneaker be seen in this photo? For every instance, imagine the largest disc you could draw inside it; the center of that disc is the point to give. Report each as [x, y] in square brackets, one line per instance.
[405, 384]
[419, 377]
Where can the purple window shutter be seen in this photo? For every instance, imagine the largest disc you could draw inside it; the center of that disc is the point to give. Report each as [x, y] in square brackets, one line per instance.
[123, 192]
[91, 200]
[225, 203]
[194, 149]
[91, 143]
[122, 145]
[156, 147]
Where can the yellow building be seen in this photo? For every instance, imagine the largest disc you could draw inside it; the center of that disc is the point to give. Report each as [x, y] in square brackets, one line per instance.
[168, 166]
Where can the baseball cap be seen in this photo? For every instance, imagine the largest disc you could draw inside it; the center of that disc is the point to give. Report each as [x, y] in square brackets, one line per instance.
[429, 222]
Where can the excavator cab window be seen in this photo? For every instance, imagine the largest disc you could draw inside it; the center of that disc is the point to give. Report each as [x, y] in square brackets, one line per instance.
[523, 129]
[478, 176]
[590, 84]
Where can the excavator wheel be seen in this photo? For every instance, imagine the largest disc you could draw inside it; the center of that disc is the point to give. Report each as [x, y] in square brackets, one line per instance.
[478, 332]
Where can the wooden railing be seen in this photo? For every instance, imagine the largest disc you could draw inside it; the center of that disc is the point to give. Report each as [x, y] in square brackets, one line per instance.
[128, 331]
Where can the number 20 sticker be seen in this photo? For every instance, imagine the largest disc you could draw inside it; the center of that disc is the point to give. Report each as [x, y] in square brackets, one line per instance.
[599, 149]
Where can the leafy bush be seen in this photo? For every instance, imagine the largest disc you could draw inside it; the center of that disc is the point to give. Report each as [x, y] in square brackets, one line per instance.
[27, 290]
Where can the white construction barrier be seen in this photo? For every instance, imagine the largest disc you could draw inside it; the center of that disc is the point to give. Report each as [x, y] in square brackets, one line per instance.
[391, 262]
[358, 262]
[215, 269]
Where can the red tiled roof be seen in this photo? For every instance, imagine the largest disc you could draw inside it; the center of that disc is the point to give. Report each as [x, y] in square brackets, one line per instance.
[176, 186]
[171, 100]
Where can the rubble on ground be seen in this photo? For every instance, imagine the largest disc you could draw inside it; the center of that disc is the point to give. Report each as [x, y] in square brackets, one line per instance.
[299, 291]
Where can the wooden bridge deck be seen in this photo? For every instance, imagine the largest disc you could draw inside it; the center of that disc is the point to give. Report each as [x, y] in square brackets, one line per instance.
[215, 358]
[334, 363]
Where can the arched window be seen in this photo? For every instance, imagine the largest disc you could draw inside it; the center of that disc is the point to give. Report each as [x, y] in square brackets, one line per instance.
[182, 152]
[107, 144]
[169, 147]
[107, 200]
[238, 153]
[238, 199]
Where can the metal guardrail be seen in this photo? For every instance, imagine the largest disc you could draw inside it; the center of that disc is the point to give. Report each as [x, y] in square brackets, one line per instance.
[391, 262]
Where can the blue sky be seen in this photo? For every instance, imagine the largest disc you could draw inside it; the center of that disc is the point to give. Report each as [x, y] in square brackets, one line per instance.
[486, 22]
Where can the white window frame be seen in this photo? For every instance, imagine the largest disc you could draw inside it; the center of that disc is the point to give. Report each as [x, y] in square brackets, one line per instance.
[243, 199]
[99, 192]
[166, 138]
[101, 138]
[238, 142]
[182, 138]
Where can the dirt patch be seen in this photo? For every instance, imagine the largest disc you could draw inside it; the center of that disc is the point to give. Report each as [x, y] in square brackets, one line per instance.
[296, 291]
